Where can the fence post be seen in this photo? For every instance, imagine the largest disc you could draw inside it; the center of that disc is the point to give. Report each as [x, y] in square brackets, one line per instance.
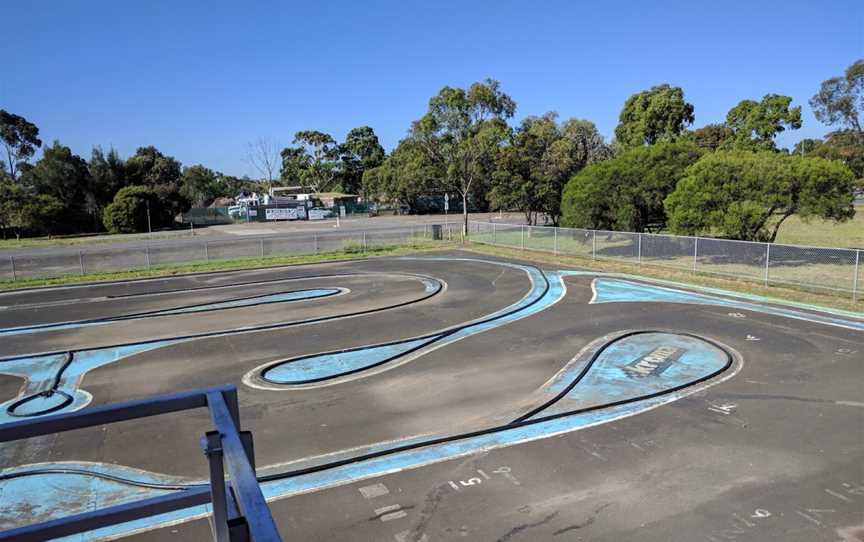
[695, 252]
[206, 252]
[14, 277]
[767, 260]
[147, 256]
[639, 254]
[315, 241]
[81, 261]
[594, 245]
[425, 230]
[555, 242]
[522, 242]
[493, 233]
[364, 239]
[854, 280]
[261, 247]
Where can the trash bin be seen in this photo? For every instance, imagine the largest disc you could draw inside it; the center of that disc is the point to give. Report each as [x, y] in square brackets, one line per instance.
[436, 232]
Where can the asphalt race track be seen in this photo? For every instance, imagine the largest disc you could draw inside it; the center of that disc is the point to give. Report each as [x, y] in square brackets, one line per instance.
[448, 397]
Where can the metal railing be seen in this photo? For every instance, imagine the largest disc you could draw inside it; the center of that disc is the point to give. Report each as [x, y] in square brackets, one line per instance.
[58, 262]
[240, 511]
[834, 270]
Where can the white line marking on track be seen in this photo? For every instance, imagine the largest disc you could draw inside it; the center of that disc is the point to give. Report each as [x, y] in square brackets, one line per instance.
[403, 537]
[850, 403]
[375, 490]
[838, 495]
[394, 515]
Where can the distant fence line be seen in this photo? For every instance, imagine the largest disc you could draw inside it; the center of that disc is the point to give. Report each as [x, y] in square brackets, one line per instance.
[835, 270]
[73, 261]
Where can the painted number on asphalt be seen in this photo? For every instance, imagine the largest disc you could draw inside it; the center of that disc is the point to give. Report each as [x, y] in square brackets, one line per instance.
[503, 471]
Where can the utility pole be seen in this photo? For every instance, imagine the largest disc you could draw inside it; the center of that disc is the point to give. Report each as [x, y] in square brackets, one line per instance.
[149, 230]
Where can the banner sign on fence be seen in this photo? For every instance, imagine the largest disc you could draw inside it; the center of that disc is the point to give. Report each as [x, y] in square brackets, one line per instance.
[318, 214]
[280, 214]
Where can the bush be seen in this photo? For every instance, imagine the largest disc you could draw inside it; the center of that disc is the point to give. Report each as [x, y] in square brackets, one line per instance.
[747, 195]
[627, 192]
[128, 212]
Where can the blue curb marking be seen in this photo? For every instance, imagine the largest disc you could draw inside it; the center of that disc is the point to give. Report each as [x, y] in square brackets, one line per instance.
[39, 372]
[621, 291]
[219, 305]
[606, 382]
[330, 365]
[72, 490]
[636, 365]
[333, 364]
[353, 472]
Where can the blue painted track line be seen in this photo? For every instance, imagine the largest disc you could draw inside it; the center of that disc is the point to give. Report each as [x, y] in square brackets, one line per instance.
[331, 365]
[250, 301]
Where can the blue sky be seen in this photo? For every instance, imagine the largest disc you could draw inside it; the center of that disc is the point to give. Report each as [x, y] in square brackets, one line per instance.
[201, 79]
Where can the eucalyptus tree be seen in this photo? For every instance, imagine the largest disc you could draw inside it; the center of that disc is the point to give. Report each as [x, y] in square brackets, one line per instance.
[20, 139]
[461, 132]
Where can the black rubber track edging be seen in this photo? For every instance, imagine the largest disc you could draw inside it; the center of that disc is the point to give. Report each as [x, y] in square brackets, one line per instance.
[156, 312]
[248, 329]
[433, 337]
[67, 399]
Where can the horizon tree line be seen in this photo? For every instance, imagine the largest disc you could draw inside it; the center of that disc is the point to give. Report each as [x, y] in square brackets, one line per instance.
[466, 145]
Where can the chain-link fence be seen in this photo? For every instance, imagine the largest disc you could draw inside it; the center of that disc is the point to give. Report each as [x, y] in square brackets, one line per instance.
[836, 270]
[148, 255]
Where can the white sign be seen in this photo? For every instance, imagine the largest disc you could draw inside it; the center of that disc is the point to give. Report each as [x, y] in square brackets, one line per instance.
[280, 214]
[253, 212]
[318, 214]
[446, 203]
[342, 211]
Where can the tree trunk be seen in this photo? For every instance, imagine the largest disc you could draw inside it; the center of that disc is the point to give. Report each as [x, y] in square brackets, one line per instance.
[777, 227]
[465, 213]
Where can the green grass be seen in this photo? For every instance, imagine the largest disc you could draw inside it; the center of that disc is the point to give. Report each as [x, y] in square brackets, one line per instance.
[725, 283]
[824, 233]
[45, 242]
[791, 267]
[349, 252]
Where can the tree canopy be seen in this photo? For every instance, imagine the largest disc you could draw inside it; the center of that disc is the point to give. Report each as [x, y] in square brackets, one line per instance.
[747, 195]
[840, 100]
[315, 160]
[20, 139]
[65, 177]
[128, 212]
[754, 125]
[404, 177]
[461, 133]
[843, 145]
[711, 136]
[107, 176]
[538, 159]
[200, 185]
[360, 152]
[657, 114]
[628, 191]
[149, 167]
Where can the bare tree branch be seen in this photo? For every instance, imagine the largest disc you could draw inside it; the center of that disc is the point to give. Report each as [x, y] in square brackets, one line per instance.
[263, 155]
